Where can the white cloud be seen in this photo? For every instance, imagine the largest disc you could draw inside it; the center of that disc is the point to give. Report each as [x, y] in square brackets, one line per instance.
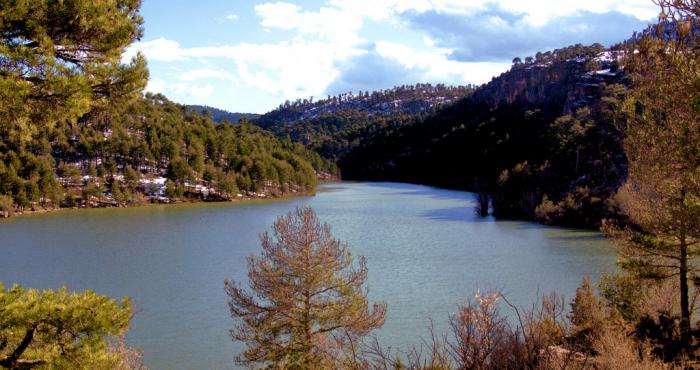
[321, 40]
[159, 49]
[291, 69]
[301, 66]
[205, 73]
[202, 91]
[434, 65]
[330, 23]
[156, 86]
[159, 86]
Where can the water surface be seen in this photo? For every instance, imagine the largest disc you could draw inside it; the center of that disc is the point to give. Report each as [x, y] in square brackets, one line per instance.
[426, 251]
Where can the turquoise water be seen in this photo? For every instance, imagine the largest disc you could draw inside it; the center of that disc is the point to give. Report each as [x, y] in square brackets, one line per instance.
[426, 251]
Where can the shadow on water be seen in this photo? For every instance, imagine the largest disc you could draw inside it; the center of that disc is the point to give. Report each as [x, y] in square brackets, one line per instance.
[464, 214]
[525, 225]
[584, 236]
[441, 194]
[422, 190]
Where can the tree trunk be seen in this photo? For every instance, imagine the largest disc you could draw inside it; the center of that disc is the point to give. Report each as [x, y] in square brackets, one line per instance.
[483, 203]
[685, 306]
[482, 196]
[307, 328]
[12, 361]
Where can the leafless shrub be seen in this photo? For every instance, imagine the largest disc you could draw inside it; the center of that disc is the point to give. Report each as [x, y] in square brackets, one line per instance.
[481, 336]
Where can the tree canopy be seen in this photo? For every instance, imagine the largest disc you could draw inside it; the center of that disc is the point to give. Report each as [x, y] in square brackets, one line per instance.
[59, 329]
[61, 59]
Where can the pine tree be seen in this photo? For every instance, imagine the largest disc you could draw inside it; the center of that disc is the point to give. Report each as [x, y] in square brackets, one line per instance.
[307, 307]
[588, 317]
[58, 329]
[662, 193]
[62, 58]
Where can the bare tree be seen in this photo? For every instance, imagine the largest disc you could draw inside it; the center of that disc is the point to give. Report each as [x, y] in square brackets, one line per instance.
[307, 306]
[482, 336]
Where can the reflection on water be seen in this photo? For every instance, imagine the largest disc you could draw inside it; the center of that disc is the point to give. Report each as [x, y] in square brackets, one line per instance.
[426, 249]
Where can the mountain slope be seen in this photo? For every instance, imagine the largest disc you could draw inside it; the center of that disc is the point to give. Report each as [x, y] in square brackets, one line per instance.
[334, 125]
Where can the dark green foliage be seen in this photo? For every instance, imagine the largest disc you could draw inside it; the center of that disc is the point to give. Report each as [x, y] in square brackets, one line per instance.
[662, 333]
[149, 137]
[154, 134]
[563, 54]
[60, 60]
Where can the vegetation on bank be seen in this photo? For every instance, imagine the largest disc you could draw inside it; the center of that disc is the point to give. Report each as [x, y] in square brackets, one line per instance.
[307, 308]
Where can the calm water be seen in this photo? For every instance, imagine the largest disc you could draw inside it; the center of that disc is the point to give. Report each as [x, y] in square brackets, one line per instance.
[426, 252]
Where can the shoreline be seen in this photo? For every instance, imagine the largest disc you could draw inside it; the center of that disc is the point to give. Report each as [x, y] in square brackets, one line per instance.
[239, 200]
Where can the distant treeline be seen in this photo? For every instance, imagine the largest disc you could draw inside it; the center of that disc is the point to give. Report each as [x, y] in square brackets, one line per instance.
[220, 115]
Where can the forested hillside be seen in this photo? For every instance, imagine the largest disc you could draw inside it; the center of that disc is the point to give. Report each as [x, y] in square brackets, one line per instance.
[334, 125]
[152, 149]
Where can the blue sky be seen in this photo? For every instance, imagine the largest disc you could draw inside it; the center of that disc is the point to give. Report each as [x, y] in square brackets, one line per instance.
[250, 56]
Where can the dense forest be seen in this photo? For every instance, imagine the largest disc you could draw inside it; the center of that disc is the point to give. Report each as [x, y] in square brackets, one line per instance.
[400, 99]
[152, 150]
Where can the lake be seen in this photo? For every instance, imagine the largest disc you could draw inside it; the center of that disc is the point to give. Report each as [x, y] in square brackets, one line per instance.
[426, 251]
